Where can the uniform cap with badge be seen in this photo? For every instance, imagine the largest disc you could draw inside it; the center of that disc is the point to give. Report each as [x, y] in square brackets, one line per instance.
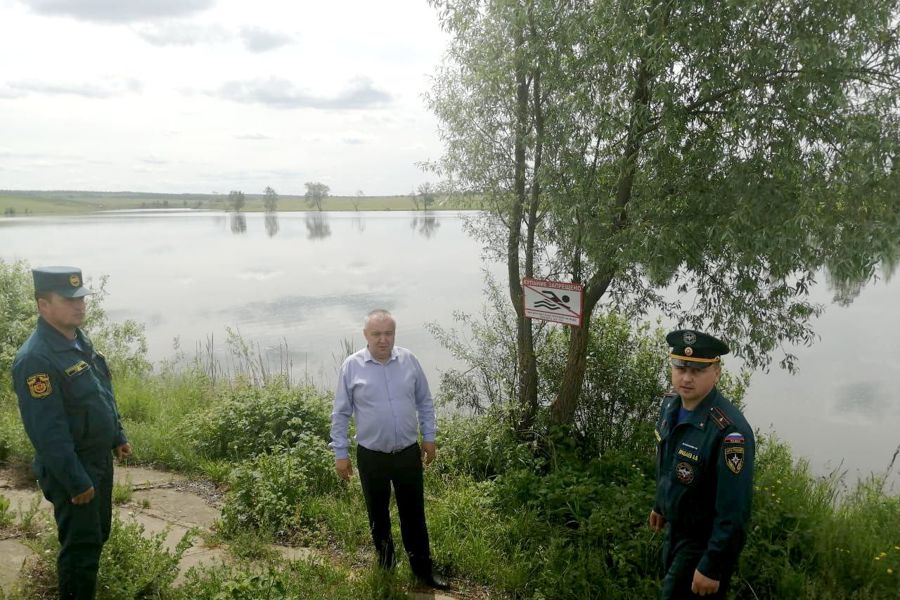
[695, 349]
[65, 281]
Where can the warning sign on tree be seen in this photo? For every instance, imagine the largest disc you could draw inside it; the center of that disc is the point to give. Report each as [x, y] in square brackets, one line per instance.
[555, 301]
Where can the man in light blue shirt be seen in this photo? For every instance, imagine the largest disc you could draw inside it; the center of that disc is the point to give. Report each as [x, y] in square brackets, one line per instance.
[384, 389]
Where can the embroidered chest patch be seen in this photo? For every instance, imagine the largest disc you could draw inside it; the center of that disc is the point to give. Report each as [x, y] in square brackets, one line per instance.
[685, 473]
[734, 458]
[39, 385]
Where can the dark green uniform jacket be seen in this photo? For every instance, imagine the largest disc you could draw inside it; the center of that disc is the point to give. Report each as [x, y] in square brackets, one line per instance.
[67, 406]
[704, 478]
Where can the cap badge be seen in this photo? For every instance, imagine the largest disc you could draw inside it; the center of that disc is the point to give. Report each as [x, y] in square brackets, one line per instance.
[689, 338]
[74, 280]
[688, 351]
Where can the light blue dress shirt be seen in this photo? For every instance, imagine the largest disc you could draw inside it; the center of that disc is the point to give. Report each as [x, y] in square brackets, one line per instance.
[391, 403]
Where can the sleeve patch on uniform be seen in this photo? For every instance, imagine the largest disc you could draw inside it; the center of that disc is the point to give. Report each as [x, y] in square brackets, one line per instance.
[734, 438]
[77, 368]
[658, 437]
[734, 458]
[39, 385]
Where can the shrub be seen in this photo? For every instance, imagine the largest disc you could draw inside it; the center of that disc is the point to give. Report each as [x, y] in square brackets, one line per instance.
[479, 446]
[625, 378]
[268, 492]
[18, 314]
[253, 420]
[135, 565]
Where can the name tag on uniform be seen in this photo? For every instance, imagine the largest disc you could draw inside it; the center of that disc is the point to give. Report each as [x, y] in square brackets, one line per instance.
[688, 454]
[77, 368]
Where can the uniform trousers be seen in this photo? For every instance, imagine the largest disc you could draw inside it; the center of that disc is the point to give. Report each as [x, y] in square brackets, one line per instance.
[681, 555]
[377, 472]
[82, 529]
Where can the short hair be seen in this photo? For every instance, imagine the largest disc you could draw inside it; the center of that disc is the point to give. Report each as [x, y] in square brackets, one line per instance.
[42, 296]
[378, 312]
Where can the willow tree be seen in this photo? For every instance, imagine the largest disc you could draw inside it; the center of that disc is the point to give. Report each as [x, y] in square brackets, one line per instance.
[730, 151]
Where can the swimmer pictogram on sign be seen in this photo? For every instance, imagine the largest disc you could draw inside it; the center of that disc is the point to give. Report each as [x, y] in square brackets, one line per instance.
[556, 301]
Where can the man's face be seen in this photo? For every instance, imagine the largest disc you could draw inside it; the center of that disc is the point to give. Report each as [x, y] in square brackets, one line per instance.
[61, 312]
[694, 384]
[379, 334]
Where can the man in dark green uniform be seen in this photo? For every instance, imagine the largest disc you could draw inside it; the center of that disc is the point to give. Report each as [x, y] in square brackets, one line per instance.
[69, 412]
[704, 472]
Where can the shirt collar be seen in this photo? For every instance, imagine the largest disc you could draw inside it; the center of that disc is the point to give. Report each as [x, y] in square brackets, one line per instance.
[367, 356]
[57, 341]
[699, 415]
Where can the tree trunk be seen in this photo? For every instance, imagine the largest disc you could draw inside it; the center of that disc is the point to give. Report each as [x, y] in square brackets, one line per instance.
[563, 408]
[526, 394]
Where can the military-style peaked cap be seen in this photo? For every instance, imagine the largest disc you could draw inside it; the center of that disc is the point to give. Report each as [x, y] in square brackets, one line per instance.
[65, 281]
[695, 349]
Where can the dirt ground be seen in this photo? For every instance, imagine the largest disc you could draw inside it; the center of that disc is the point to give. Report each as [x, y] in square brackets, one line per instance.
[161, 501]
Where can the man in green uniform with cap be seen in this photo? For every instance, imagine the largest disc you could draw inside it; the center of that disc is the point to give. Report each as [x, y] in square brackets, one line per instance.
[69, 412]
[704, 472]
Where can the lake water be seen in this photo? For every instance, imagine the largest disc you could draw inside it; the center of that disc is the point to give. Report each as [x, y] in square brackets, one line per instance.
[307, 280]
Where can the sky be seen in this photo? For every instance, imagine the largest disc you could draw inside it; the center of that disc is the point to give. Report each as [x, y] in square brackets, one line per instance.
[207, 96]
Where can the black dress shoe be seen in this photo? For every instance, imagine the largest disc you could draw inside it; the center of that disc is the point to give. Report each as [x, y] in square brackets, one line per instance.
[433, 581]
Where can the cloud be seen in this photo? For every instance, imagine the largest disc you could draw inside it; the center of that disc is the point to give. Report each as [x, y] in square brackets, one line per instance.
[280, 93]
[181, 34]
[257, 39]
[118, 11]
[105, 89]
[355, 138]
[253, 136]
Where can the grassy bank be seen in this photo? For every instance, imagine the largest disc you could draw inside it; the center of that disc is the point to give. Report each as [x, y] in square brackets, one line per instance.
[502, 517]
[24, 203]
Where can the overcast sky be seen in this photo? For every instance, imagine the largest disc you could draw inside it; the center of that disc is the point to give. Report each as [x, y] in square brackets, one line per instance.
[215, 95]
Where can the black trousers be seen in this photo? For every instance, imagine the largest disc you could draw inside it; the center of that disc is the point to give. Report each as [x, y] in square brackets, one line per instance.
[82, 529]
[403, 469]
[681, 555]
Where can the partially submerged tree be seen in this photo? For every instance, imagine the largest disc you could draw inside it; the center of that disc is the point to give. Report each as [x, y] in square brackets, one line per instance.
[236, 200]
[270, 200]
[427, 195]
[316, 193]
[728, 152]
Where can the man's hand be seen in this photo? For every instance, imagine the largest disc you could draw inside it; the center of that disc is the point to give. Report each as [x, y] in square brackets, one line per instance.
[703, 585]
[344, 468]
[657, 521]
[84, 497]
[429, 452]
[123, 451]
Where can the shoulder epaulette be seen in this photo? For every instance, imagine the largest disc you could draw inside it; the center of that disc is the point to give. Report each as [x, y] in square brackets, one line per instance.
[721, 420]
[664, 401]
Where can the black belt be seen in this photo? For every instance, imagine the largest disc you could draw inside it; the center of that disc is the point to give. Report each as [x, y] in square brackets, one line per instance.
[400, 451]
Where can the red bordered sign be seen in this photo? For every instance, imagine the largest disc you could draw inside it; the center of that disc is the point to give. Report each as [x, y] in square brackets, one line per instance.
[555, 301]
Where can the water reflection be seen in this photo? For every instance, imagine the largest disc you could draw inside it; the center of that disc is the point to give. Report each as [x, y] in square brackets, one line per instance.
[426, 225]
[317, 227]
[861, 400]
[238, 223]
[272, 224]
[358, 223]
